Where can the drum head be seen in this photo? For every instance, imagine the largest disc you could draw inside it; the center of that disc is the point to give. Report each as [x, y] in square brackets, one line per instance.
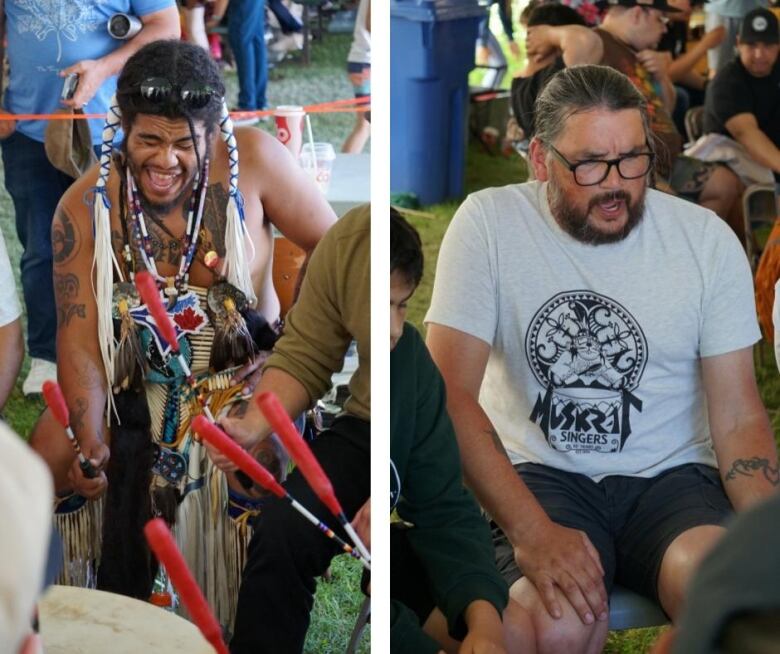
[85, 621]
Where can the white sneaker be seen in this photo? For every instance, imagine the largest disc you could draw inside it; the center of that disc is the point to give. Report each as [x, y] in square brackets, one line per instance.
[40, 371]
[287, 42]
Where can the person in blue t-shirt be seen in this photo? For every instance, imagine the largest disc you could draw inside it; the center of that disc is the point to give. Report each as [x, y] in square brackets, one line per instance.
[45, 44]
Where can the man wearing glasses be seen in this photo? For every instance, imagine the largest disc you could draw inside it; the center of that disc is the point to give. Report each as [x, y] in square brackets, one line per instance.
[601, 380]
[627, 41]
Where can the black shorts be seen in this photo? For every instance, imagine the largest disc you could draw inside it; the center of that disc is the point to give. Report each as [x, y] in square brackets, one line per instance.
[630, 520]
[408, 580]
[689, 176]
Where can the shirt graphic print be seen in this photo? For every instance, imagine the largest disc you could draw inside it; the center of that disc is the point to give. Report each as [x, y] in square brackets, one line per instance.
[588, 354]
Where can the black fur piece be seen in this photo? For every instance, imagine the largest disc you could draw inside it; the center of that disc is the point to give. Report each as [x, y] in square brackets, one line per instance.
[262, 333]
[127, 566]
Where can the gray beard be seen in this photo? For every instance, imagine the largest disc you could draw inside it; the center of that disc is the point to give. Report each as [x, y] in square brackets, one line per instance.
[575, 222]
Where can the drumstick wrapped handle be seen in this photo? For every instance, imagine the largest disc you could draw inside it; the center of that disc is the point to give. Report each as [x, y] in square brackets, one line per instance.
[55, 400]
[164, 547]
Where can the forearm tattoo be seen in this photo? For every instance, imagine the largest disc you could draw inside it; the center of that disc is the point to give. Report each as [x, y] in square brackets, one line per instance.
[752, 468]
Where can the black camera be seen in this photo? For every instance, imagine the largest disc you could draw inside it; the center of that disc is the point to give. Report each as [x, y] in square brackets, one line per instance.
[70, 86]
[123, 26]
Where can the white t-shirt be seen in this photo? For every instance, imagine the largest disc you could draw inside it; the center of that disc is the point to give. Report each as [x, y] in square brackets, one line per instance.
[10, 309]
[360, 51]
[595, 350]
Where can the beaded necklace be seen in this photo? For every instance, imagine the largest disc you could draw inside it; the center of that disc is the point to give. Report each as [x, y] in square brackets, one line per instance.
[172, 285]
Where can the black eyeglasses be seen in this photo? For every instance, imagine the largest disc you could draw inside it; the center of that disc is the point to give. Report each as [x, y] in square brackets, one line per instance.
[595, 171]
[191, 94]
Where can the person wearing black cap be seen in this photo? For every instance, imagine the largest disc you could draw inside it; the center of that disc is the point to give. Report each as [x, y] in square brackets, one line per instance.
[743, 101]
[627, 41]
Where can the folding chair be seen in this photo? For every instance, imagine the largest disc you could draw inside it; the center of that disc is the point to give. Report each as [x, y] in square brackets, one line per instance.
[361, 623]
[759, 208]
[628, 610]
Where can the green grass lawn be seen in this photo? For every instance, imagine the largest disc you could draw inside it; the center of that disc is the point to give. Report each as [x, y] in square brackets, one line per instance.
[483, 170]
[337, 601]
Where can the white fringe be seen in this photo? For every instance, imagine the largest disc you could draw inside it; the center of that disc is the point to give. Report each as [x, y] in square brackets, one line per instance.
[102, 275]
[81, 532]
[236, 268]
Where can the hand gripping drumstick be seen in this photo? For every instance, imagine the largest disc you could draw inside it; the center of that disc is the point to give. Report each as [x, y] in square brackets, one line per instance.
[214, 435]
[311, 469]
[147, 289]
[52, 393]
[164, 547]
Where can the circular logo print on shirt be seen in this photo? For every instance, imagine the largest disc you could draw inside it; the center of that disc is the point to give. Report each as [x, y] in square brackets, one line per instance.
[581, 339]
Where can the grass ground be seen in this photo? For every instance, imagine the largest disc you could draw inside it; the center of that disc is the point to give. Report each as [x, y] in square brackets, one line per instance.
[337, 601]
[483, 170]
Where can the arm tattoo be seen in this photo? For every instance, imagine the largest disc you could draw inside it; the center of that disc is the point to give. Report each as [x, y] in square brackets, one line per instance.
[77, 414]
[497, 442]
[751, 467]
[65, 237]
[66, 288]
[67, 311]
[87, 375]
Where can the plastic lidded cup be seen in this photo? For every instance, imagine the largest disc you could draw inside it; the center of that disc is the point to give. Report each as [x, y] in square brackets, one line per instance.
[289, 127]
[319, 166]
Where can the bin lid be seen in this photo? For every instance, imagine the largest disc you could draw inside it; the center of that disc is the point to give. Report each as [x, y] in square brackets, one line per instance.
[437, 10]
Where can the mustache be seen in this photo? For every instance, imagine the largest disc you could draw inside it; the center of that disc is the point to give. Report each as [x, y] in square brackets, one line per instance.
[612, 196]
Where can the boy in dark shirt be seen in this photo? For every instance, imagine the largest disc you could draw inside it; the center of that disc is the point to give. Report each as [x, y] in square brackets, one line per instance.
[442, 571]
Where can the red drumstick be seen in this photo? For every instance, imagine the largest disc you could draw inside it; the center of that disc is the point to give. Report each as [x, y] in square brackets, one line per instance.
[214, 435]
[238, 455]
[281, 423]
[164, 547]
[147, 289]
[310, 468]
[55, 400]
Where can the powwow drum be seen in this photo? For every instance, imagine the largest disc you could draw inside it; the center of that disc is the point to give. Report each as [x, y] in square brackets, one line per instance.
[95, 622]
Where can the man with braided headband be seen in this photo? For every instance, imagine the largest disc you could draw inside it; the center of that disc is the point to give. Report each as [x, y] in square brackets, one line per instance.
[170, 202]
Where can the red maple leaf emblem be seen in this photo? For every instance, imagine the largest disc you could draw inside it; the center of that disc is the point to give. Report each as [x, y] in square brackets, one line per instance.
[188, 320]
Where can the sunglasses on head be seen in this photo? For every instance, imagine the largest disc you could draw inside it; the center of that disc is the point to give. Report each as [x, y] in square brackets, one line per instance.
[191, 94]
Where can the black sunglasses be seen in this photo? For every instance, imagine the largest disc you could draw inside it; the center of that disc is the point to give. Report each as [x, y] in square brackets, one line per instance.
[191, 94]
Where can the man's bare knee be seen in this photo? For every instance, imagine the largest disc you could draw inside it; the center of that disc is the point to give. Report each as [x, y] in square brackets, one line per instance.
[679, 563]
[519, 634]
[566, 634]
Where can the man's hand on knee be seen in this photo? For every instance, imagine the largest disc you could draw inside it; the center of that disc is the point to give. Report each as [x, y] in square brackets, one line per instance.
[559, 556]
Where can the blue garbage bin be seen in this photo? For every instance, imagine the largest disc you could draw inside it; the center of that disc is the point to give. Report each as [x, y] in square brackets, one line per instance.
[432, 46]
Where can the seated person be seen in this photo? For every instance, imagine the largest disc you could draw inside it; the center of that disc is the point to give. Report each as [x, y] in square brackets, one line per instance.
[287, 553]
[607, 414]
[11, 339]
[538, 70]
[743, 100]
[626, 41]
[172, 203]
[442, 570]
[688, 83]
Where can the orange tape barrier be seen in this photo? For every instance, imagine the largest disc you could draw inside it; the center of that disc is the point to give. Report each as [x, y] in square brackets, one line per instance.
[492, 95]
[335, 106]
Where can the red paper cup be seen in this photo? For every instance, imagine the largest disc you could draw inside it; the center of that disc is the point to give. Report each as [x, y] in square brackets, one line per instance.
[289, 127]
